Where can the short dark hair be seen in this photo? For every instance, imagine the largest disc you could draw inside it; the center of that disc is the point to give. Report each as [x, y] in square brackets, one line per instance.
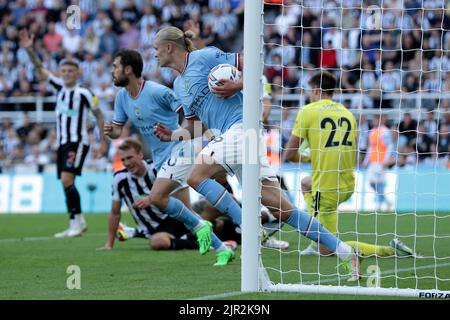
[323, 80]
[131, 143]
[131, 58]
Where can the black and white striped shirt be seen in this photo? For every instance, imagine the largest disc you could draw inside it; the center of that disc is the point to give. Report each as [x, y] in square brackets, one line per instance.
[72, 106]
[130, 188]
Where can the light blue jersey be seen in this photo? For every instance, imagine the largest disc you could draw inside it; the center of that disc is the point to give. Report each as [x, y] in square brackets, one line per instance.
[154, 104]
[191, 87]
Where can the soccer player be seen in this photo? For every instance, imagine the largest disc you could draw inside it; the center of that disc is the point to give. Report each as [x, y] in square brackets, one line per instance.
[147, 103]
[331, 131]
[133, 182]
[268, 221]
[226, 229]
[378, 158]
[72, 105]
[221, 111]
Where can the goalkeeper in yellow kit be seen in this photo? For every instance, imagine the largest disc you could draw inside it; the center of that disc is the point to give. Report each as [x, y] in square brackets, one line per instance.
[331, 131]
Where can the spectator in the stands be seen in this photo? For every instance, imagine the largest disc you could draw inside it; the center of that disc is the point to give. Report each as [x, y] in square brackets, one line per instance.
[24, 130]
[96, 161]
[5, 126]
[37, 159]
[423, 142]
[109, 41]
[443, 142]
[409, 62]
[72, 41]
[91, 43]
[430, 125]
[52, 39]
[130, 36]
[149, 18]
[408, 128]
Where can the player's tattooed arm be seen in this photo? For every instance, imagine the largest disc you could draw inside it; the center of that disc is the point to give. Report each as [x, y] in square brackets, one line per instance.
[98, 114]
[26, 42]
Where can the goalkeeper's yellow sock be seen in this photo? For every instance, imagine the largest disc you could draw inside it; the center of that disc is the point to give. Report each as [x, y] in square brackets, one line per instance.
[366, 249]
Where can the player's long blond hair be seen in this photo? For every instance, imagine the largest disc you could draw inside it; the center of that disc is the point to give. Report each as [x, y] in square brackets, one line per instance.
[181, 39]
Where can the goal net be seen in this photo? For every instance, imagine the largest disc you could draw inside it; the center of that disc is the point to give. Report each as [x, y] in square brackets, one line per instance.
[391, 59]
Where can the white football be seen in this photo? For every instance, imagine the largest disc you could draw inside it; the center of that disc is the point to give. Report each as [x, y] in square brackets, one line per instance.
[221, 72]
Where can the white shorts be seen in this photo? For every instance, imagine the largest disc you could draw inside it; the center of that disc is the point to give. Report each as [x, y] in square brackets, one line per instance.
[376, 173]
[176, 169]
[227, 150]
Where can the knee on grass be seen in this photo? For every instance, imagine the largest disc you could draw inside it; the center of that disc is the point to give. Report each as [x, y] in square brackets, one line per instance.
[160, 241]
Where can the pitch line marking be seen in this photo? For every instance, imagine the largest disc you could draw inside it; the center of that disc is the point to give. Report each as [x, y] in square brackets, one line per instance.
[385, 273]
[12, 240]
[389, 272]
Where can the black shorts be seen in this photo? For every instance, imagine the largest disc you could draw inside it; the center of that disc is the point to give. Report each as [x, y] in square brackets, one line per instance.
[228, 231]
[70, 158]
[174, 227]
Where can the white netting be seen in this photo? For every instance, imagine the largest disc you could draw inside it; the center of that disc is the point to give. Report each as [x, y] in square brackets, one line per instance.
[392, 60]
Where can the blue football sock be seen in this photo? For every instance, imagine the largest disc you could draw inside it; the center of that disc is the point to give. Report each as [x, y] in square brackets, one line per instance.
[311, 228]
[177, 210]
[216, 243]
[221, 199]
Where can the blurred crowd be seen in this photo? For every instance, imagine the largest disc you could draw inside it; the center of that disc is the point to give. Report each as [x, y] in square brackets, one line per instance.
[29, 147]
[410, 55]
[423, 142]
[105, 26]
[419, 139]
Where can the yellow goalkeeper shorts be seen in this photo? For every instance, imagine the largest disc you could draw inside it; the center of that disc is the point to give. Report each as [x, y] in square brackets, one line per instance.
[324, 207]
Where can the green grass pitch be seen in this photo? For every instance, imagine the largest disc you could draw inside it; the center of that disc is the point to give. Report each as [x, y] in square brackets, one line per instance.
[34, 264]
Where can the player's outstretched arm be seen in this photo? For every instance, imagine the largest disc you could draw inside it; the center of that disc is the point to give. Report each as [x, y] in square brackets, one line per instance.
[291, 150]
[142, 203]
[98, 114]
[113, 224]
[162, 132]
[26, 42]
[192, 128]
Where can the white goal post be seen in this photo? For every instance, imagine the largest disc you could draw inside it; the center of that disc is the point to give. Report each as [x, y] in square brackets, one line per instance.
[250, 267]
[422, 226]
